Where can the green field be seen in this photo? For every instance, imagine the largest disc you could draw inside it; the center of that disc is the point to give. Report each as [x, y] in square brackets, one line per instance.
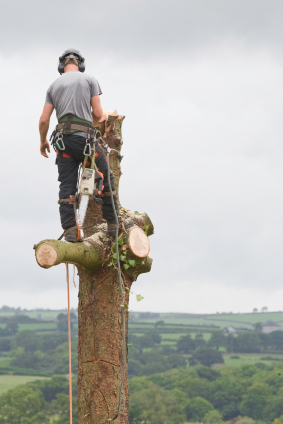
[9, 381]
[217, 320]
[249, 358]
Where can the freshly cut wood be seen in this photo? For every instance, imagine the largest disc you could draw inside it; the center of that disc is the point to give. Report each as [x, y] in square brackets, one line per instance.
[139, 242]
[46, 255]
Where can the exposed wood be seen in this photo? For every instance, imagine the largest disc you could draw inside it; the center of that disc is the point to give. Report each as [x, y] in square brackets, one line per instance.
[138, 242]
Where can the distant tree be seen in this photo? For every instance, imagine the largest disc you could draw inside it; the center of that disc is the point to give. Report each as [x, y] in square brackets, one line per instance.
[23, 405]
[247, 343]
[144, 342]
[154, 335]
[11, 329]
[213, 417]
[166, 350]
[176, 361]
[255, 310]
[35, 360]
[186, 345]
[276, 340]
[156, 405]
[199, 340]
[217, 339]
[159, 323]
[264, 309]
[5, 344]
[258, 326]
[197, 408]
[53, 386]
[206, 357]
[206, 372]
[27, 339]
[62, 322]
[255, 400]
[226, 394]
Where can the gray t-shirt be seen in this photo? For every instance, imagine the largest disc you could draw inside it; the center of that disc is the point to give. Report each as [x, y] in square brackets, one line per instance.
[71, 93]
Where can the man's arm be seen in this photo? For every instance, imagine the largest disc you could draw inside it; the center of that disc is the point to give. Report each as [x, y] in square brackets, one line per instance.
[43, 128]
[97, 111]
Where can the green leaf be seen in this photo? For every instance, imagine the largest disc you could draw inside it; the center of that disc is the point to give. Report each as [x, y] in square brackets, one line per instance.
[114, 247]
[122, 306]
[126, 306]
[114, 255]
[143, 262]
[129, 344]
[103, 235]
[127, 288]
[120, 241]
[132, 262]
[144, 228]
[99, 262]
[123, 257]
[118, 289]
[126, 266]
[136, 212]
[139, 297]
[111, 263]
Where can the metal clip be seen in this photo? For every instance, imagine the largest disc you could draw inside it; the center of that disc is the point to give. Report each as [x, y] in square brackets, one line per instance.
[60, 140]
[87, 146]
[108, 150]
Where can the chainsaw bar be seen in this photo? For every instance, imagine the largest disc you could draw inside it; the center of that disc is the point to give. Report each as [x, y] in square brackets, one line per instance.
[82, 209]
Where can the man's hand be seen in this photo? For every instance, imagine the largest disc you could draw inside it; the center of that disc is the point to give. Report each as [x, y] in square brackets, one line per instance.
[43, 147]
[43, 128]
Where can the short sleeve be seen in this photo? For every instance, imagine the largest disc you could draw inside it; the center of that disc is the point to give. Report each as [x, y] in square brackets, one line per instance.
[95, 88]
[49, 97]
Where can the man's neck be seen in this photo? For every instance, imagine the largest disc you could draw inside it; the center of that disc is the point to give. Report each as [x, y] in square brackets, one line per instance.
[71, 67]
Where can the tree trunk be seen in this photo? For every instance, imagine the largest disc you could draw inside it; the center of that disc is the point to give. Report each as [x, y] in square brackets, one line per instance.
[100, 342]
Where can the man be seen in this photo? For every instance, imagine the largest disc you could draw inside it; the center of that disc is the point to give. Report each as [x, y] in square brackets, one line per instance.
[76, 98]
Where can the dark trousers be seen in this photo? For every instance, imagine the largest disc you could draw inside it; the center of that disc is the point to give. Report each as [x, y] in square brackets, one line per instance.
[68, 176]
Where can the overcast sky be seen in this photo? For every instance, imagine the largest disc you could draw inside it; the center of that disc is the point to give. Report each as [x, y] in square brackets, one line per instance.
[201, 85]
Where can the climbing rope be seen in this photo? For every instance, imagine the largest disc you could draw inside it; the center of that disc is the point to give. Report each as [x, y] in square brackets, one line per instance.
[70, 356]
[120, 283]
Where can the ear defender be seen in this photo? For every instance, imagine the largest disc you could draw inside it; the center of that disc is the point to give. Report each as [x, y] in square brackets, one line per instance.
[75, 54]
[61, 68]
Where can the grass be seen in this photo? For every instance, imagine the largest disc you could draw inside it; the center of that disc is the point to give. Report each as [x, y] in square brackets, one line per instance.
[10, 381]
[221, 320]
[248, 358]
[35, 326]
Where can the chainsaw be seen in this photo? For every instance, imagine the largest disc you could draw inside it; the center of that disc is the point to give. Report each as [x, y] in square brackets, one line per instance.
[90, 186]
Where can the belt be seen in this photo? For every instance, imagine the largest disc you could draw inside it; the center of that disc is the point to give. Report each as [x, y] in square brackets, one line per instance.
[73, 127]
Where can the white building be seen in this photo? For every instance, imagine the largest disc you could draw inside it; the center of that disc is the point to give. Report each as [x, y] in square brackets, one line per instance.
[269, 327]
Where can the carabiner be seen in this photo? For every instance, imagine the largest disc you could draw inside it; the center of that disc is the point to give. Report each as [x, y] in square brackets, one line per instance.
[60, 140]
[89, 149]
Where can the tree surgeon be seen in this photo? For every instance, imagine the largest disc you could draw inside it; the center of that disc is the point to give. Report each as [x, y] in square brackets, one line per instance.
[76, 98]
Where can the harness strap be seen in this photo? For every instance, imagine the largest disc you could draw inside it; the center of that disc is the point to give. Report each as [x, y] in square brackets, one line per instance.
[61, 154]
[77, 127]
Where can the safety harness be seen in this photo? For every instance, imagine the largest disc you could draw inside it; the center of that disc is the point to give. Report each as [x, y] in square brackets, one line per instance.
[69, 124]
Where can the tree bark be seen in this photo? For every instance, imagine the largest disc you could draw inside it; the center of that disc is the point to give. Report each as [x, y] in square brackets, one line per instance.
[100, 341]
